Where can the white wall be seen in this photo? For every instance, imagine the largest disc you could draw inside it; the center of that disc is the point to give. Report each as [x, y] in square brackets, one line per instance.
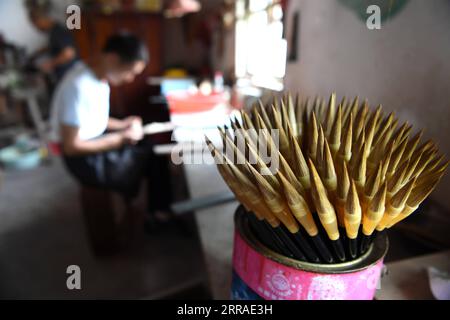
[405, 66]
[16, 28]
[176, 50]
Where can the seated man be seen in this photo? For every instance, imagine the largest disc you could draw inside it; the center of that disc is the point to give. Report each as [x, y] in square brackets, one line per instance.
[98, 150]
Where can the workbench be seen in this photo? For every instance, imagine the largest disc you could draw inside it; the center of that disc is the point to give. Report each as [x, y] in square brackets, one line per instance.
[215, 223]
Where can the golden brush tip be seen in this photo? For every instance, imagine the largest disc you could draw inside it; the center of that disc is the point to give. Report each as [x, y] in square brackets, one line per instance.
[331, 155]
[345, 149]
[360, 121]
[397, 156]
[320, 146]
[208, 141]
[378, 202]
[343, 182]
[330, 112]
[302, 166]
[352, 205]
[397, 179]
[335, 135]
[315, 178]
[443, 167]
[329, 170]
[421, 192]
[359, 172]
[434, 163]
[313, 136]
[374, 181]
[399, 199]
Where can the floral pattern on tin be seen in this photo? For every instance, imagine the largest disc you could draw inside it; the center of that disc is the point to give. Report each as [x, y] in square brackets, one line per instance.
[327, 288]
[281, 285]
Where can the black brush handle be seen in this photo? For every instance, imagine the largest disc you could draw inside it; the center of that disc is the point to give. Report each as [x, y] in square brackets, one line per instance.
[298, 254]
[339, 249]
[324, 253]
[306, 248]
[344, 239]
[266, 237]
[336, 249]
[342, 234]
[365, 242]
[373, 236]
[276, 239]
[353, 247]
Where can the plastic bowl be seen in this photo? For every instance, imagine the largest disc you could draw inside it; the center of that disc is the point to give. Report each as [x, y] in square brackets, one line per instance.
[14, 159]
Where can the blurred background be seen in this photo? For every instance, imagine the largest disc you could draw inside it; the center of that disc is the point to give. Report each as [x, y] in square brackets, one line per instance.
[208, 59]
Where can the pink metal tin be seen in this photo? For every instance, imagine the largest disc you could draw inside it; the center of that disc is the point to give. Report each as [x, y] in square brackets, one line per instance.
[262, 273]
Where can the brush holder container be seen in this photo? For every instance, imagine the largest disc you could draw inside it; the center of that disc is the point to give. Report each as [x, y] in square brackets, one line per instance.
[261, 273]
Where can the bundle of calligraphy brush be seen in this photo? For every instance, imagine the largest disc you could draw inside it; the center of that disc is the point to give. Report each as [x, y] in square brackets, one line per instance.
[343, 174]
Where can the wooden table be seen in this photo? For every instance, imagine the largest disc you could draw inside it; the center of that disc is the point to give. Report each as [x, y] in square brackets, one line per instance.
[215, 224]
[408, 279]
[216, 228]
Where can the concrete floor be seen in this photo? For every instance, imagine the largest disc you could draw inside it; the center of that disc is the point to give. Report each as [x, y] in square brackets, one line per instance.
[42, 232]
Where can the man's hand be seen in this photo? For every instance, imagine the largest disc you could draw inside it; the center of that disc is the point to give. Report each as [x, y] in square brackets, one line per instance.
[135, 131]
[133, 120]
[66, 55]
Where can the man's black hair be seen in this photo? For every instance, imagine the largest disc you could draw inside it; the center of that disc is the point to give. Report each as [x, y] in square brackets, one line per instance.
[128, 47]
[38, 8]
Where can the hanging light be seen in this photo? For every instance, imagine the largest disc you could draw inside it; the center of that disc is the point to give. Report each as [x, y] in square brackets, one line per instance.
[178, 8]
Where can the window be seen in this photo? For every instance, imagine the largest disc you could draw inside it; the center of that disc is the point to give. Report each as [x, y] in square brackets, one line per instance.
[260, 47]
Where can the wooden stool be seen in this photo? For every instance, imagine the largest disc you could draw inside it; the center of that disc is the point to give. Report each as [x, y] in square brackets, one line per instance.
[105, 213]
